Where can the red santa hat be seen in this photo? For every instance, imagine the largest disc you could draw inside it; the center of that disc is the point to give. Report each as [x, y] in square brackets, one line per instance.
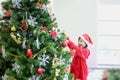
[87, 39]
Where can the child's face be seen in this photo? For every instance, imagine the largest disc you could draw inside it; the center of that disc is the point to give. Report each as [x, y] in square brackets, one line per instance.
[81, 43]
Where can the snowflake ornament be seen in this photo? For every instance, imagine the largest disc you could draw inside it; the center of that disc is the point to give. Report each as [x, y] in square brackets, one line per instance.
[32, 21]
[35, 77]
[44, 59]
[3, 52]
[16, 67]
[16, 3]
[60, 60]
[4, 77]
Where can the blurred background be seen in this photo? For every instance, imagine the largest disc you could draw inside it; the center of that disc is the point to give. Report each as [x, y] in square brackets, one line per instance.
[101, 20]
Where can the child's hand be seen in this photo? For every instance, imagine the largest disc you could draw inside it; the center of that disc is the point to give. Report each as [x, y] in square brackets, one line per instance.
[67, 38]
[72, 51]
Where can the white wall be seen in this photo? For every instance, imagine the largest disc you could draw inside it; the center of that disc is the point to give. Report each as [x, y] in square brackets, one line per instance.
[108, 33]
[76, 17]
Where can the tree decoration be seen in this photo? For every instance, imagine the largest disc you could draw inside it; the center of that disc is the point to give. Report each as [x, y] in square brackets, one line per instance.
[39, 4]
[26, 15]
[3, 52]
[31, 0]
[24, 23]
[8, 13]
[4, 77]
[38, 43]
[60, 60]
[53, 33]
[40, 70]
[54, 62]
[65, 76]
[43, 59]
[43, 28]
[64, 44]
[6, 30]
[35, 77]
[13, 28]
[32, 21]
[50, 9]
[29, 52]
[16, 67]
[57, 71]
[16, 3]
[23, 44]
[17, 40]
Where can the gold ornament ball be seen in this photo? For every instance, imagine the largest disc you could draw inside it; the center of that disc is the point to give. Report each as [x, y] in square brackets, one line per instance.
[13, 28]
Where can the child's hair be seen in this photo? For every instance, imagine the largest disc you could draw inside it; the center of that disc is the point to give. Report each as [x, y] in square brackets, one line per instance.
[84, 41]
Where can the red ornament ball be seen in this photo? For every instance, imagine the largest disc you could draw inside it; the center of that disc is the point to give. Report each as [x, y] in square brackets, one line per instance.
[40, 70]
[53, 33]
[8, 14]
[64, 44]
[29, 53]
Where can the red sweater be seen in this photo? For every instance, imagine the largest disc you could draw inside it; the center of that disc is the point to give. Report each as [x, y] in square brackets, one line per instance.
[79, 66]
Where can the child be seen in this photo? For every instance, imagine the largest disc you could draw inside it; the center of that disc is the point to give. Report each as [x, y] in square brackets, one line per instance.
[80, 53]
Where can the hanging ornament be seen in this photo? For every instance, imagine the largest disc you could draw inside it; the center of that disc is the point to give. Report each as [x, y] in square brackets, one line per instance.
[13, 36]
[6, 30]
[43, 28]
[57, 71]
[13, 28]
[53, 33]
[29, 34]
[3, 52]
[24, 23]
[39, 5]
[8, 14]
[26, 15]
[64, 50]
[64, 44]
[18, 41]
[29, 52]
[50, 8]
[40, 70]
[23, 44]
[54, 61]
[38, 43]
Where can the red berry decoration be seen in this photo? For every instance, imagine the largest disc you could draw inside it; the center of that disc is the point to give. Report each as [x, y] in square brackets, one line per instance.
[64, 44]
[40, 70]
[8, 13]
[39, 5]
[29, 53]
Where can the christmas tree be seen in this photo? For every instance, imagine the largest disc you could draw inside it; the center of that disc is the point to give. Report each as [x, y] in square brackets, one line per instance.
[32, 46]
